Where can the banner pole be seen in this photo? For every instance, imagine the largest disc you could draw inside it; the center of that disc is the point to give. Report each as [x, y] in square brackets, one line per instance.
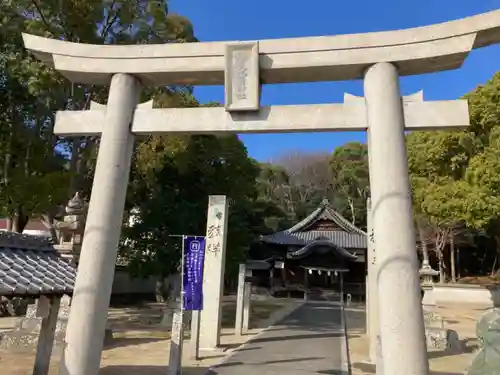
[195, 314]
[177, 335]
[182, 297]
[182, 273]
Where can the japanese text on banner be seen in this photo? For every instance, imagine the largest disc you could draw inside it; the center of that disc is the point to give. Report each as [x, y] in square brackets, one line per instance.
[194, 257]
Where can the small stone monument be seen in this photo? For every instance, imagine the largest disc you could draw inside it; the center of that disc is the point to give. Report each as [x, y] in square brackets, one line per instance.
[70, 229]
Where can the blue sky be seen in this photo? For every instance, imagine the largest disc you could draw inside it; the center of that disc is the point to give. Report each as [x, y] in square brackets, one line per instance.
[218, 20]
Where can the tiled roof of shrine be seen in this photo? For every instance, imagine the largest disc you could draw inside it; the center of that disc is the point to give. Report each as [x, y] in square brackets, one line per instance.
[346, 235]
[320, 244]
[30, 266]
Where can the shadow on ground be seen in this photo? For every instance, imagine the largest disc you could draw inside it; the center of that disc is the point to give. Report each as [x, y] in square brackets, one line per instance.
[297, 337]
[227, 347]
[127, 341]
[356, 318]
[148, 370]
[263, 363]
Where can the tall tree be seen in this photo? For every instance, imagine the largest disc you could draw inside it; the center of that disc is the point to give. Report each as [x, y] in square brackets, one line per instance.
[310, 180]
[454, 172]
[351, 180]
[276, 197]
[32, 171]
[172, 179]
[95, 22]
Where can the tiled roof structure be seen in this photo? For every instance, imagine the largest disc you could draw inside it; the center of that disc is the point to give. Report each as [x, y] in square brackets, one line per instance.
[348, 236]
[30, 266]
[312, 246]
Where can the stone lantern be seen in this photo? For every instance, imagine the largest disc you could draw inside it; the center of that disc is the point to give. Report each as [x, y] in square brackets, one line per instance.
[70, 229]
[427, 274]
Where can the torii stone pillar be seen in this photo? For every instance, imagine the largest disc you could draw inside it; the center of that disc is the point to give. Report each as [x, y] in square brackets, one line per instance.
[400, 313]
[96, 269]
[372, 306]
[371, 285]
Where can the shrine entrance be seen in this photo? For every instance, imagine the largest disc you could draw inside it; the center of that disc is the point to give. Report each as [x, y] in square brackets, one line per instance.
[379, 59]
[324, 284]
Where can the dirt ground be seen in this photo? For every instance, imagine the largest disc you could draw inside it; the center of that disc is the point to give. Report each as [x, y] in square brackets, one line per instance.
[141, 346]
[459, 318]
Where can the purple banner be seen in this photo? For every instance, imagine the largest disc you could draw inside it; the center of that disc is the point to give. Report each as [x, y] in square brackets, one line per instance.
[194, 257]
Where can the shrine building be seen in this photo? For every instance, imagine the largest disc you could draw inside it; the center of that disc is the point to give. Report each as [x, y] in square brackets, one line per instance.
[321, 254]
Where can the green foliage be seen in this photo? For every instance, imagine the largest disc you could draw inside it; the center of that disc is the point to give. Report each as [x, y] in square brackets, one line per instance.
[455, 173]
[351, 179]
[31, 155]
[172, 179]
[275, 197]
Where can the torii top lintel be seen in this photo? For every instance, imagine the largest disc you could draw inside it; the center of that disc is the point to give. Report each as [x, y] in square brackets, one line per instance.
[418, 50]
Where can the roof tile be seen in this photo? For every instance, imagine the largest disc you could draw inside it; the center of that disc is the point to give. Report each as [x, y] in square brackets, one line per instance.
[29, 265]
[339, 238]
[349, 237]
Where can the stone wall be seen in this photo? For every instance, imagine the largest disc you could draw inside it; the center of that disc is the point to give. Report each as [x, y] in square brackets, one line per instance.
[126, 284]
[466, 294]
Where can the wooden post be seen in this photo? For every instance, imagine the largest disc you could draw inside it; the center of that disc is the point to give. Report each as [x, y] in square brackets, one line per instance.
[48, 310]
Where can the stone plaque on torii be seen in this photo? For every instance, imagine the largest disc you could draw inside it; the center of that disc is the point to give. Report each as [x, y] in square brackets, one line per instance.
[377, 58]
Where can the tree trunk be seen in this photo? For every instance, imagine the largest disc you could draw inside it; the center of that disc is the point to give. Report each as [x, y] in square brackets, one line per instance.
[452, 257]
[48, 220]
[19, 221]
[493, 272]
[174, 292]
[6, 175]
[351, 208]
[440, 269]
[76, 167]
[160, 290]
[494, 268]
[439, 245]
[423, 246]
[10, 224]
[283, 277]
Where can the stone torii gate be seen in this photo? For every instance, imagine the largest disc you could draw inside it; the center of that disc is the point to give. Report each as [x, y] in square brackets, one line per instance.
[378, 58]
